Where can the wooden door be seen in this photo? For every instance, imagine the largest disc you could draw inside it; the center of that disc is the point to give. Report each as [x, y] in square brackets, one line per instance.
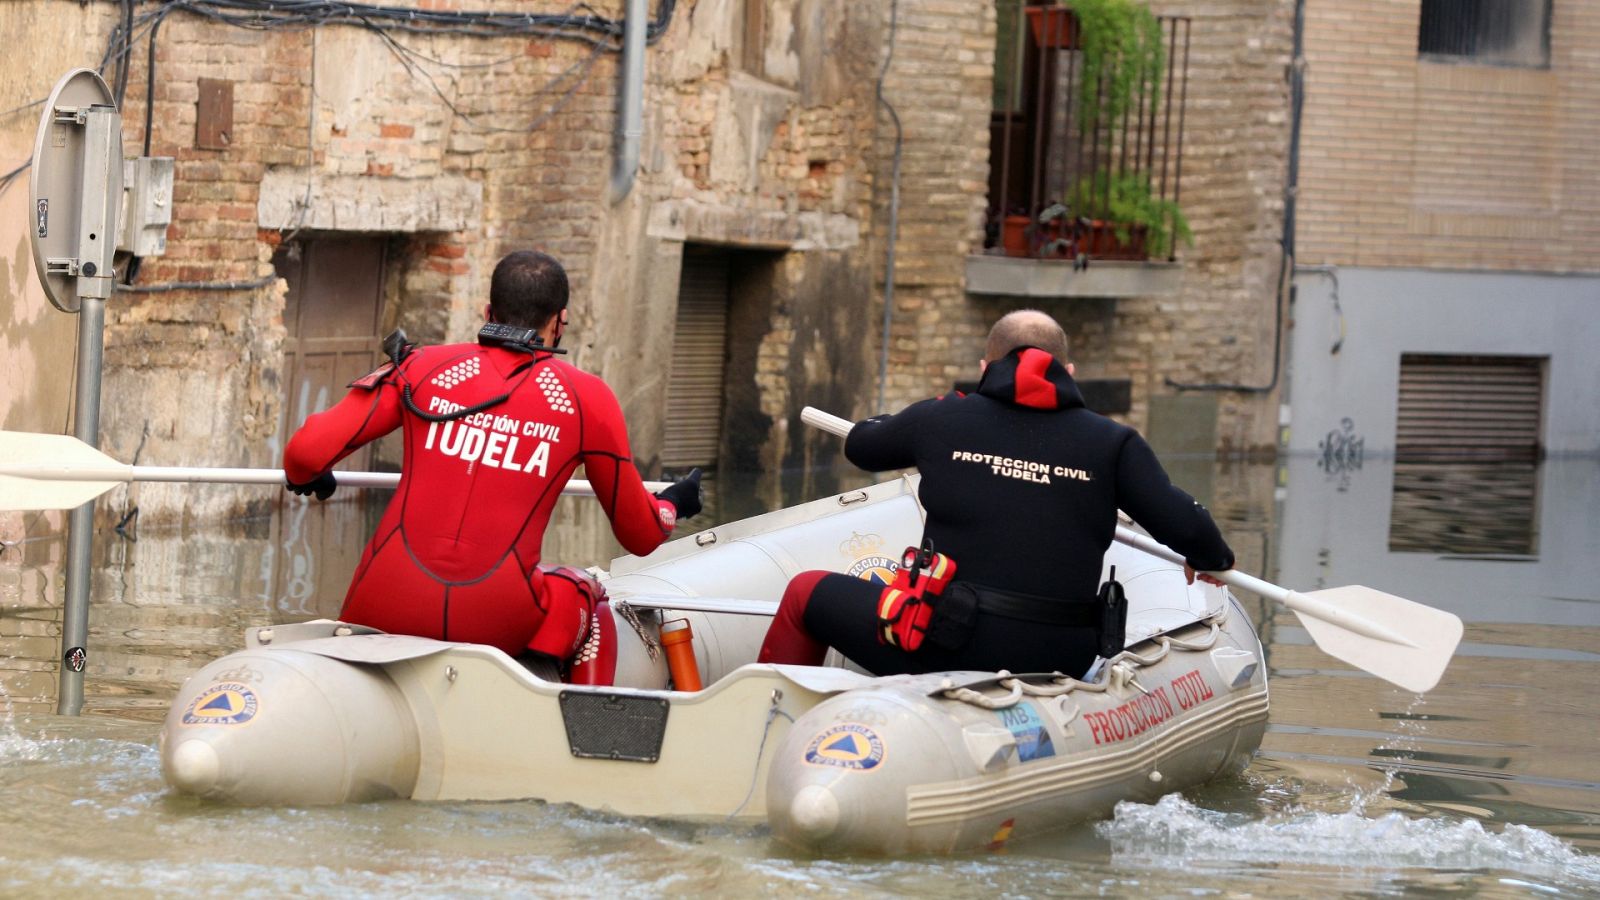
[332, 313]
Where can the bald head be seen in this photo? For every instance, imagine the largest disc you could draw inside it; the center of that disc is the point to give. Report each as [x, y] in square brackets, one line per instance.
[1026, 328]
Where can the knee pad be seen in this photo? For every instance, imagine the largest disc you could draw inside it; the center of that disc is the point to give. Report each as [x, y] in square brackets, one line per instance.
[596, 662]
[569, 597]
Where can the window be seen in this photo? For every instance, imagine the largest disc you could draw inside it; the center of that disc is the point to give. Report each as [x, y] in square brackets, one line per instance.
[1469, 408]
[1504, 32]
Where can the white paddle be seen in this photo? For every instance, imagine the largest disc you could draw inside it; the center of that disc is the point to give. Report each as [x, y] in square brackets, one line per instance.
[1398, 640]
[58, 471]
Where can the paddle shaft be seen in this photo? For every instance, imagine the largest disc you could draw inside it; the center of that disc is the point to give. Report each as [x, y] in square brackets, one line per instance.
[217, 475]
[1293, 599]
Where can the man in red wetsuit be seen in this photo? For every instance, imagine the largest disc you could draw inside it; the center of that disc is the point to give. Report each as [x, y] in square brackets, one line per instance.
[493, 431]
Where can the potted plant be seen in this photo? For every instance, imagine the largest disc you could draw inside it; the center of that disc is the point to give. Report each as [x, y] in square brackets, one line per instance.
[1125, 220]
[1122, 57]
[1053, 27]
[1122, 63]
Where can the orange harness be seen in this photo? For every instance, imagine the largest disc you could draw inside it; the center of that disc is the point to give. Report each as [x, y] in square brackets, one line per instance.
[906, 605]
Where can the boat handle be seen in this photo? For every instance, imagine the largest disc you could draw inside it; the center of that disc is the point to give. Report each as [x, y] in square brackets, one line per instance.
[705, 538]
[847, 499]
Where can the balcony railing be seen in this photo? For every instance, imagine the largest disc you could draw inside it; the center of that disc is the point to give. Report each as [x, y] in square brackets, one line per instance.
[1086, 145]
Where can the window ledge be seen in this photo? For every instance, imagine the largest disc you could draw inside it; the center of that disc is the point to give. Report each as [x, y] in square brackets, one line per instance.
[1014, 277]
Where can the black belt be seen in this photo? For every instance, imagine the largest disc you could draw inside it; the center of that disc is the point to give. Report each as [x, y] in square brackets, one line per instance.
[1032, 608]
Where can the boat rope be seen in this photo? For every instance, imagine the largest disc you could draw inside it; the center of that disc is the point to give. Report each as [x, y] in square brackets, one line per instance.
[1121, 669]
[912, 487]
[773, 712]
[630, 614]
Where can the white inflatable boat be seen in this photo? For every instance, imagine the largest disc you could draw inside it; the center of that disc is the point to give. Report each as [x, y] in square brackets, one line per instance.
[836, 761]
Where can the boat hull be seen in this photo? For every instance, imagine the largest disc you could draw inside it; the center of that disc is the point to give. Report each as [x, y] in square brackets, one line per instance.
[835, 760]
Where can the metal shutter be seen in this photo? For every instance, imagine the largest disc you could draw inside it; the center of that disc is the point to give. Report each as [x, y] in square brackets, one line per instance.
[695, 385]
[1469, 408]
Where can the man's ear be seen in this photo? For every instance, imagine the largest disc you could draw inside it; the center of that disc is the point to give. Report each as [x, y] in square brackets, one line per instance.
[983, 366]
[1072, 369]
[488, 312]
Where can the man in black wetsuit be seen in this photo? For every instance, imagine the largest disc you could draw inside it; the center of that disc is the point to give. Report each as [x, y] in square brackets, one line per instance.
[1021, 484]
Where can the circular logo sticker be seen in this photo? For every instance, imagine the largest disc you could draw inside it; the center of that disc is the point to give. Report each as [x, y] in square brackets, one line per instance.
[847, 746]
[75, 658]
[229, 703]
[876, 569]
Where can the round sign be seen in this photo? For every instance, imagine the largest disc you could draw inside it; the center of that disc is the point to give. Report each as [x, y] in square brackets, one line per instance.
[60, 189]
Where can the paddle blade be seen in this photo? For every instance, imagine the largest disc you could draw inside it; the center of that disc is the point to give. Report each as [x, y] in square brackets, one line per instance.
[1415, 662]
[32, 493]
[50, 458]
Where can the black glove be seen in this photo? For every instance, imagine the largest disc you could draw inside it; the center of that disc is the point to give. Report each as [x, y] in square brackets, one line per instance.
[323, 486]
[684, 494]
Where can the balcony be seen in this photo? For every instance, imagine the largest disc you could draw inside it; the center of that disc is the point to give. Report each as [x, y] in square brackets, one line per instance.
[1086, 151]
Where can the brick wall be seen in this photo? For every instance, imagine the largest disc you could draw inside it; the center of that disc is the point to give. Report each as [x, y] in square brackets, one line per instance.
[1442, 164]
[1219, 327]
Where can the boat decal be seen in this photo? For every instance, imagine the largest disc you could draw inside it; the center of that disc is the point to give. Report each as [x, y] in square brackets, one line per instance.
[997, 844]
[959, 801]
[228, 703]
[850, 745]
[1149, 709]
[869, 563]
[1191, 689]
[1024, 723]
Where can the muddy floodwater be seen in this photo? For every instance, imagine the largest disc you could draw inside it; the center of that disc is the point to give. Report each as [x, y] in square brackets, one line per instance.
[1487, 786]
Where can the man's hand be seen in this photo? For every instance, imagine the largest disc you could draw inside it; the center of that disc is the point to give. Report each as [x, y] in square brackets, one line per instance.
[323, 486]
[684, 494]
[1189, 575]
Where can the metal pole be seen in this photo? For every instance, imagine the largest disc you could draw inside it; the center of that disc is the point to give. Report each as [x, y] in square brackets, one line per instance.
[80, 527]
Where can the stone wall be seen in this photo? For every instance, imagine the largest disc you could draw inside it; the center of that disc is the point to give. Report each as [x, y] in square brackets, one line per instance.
[463, 149]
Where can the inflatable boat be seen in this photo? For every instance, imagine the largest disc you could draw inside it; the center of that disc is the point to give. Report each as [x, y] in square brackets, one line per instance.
[836, 761]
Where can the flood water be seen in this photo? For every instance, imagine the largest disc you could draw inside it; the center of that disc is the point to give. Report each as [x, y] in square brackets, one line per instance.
[1489, 785]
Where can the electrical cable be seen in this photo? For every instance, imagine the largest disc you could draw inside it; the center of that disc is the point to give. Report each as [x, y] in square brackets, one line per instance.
[10, 177]
[196, 286]
[121, 80]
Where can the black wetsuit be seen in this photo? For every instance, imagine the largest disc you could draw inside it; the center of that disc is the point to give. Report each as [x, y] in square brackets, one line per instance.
[1021, 483]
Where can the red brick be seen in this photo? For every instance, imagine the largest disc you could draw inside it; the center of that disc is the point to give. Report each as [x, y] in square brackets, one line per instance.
[392, 130]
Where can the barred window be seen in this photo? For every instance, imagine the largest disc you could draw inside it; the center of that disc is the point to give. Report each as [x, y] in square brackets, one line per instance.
[1504, 32]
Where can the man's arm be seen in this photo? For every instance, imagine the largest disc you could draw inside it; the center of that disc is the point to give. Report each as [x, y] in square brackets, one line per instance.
[882, 443]
[640, 520]
[1171, 516]
[363, 416]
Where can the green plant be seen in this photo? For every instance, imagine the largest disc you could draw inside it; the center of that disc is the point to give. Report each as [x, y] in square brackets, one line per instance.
[1122, 63]
[1126, 202]
[1122, 57]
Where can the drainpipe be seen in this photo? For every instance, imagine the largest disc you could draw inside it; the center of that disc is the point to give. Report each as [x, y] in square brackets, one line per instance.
[630, 101]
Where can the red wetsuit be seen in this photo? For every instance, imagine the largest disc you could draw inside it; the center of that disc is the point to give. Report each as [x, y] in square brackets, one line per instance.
[456, 555]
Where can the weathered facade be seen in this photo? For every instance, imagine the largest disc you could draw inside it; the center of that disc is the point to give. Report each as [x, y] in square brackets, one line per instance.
[1215, 327]
[336, 180]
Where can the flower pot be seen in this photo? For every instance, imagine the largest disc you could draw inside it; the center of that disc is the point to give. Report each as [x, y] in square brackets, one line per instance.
[1014, 235]
[1100, 241]
[1054, 27]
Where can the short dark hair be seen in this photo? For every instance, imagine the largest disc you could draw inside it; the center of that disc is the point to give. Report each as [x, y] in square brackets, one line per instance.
[528, 288]
[1026, 328]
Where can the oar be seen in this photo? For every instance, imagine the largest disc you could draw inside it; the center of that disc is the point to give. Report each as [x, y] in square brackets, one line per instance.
[1398, 640]
[58, 471]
